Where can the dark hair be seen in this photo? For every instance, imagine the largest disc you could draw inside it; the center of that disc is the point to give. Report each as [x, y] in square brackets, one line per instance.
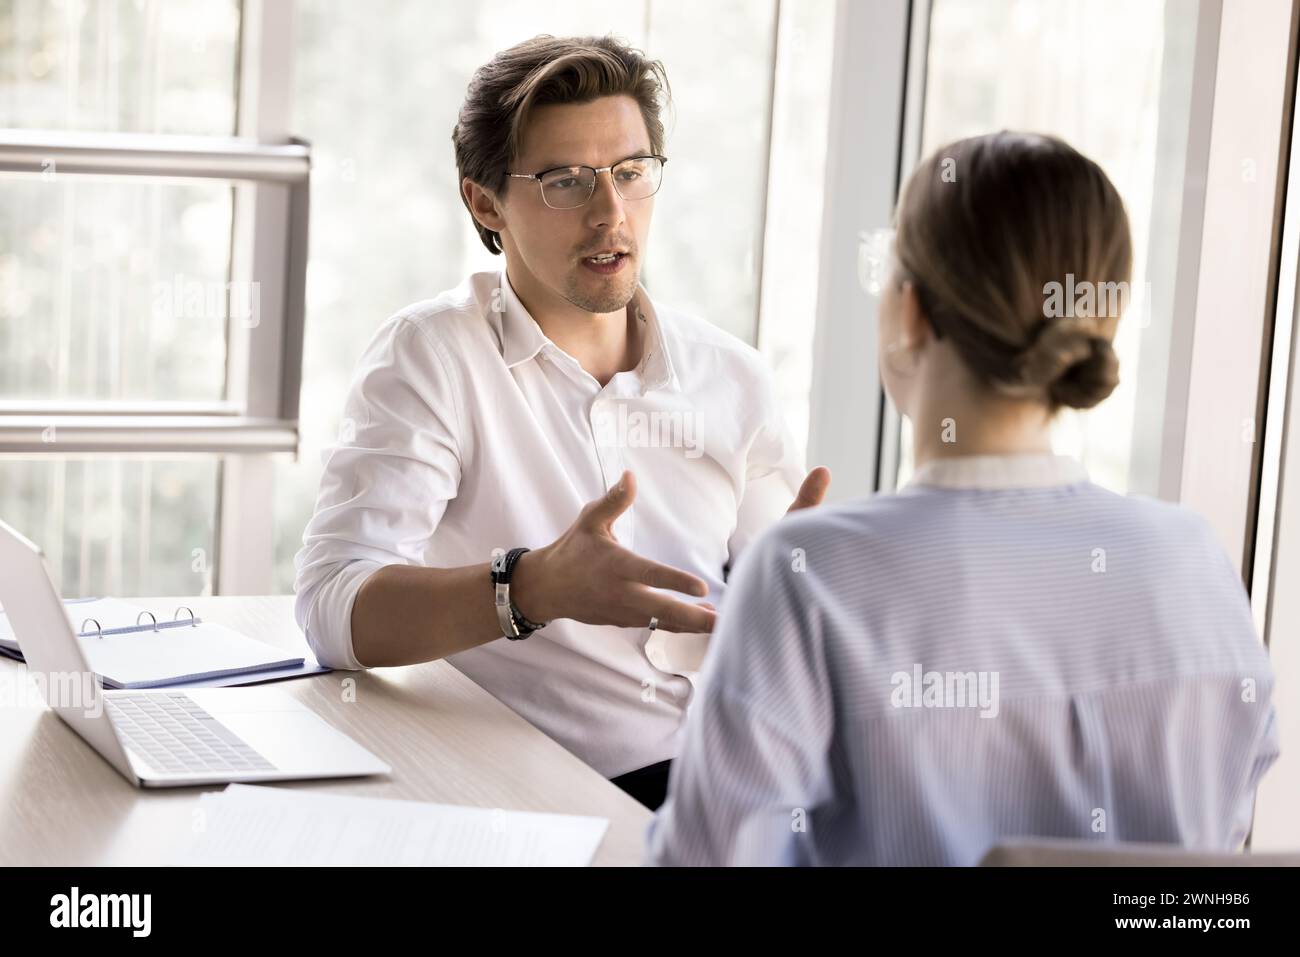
[540, 71]
[986, 226]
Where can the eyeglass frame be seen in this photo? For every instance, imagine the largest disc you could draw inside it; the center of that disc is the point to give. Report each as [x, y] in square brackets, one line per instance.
[596, 171]
[877, 265]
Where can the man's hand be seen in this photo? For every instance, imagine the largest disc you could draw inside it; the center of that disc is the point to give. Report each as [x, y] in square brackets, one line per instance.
[813, 489]
[587, 576]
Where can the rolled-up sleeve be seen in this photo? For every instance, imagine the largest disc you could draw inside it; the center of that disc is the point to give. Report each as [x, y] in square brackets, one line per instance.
[385, 485]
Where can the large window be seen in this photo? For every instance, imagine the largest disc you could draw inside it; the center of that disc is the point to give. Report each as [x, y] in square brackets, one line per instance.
[142, 67]
[152, 233]
[89, 314]
[1108, 76]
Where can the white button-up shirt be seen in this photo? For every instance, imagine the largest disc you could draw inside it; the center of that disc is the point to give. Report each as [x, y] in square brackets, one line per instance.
[467, 430]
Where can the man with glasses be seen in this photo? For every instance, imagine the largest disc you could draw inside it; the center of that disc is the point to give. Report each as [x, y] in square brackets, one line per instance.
[542, 472]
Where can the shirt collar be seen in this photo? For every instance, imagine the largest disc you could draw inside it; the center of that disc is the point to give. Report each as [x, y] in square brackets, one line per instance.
[1031, 470]
[522, 338]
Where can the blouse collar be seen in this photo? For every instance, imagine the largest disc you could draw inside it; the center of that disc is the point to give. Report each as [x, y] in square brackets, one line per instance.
[1027, 470]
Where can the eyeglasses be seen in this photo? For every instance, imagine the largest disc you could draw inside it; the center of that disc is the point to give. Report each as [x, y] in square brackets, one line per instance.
[568, 187]
[875, 253]
[876, 263]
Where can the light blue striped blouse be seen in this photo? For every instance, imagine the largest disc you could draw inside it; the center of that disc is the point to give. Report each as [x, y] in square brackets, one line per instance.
[1002, 649]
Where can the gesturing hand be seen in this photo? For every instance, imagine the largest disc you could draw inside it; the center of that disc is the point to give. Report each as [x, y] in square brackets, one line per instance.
[813, 489]
[586, 575]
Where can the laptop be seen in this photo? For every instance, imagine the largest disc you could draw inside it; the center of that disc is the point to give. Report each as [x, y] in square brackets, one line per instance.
[159, 738]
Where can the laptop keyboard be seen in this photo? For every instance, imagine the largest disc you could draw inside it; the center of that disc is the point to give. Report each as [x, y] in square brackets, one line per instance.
[173, 734]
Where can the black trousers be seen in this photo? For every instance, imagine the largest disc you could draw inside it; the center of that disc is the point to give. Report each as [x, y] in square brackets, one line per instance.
[649, 785]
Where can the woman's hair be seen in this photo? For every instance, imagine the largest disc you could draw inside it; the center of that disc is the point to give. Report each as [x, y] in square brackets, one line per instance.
[542, 71]
[1018, 248]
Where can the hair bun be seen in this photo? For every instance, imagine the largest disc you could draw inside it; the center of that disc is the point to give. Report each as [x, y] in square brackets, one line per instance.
[1089, 380]
[1070, 360]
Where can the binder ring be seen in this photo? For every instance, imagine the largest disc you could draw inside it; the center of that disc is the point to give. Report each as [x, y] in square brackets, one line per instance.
[194, 622]
[151, 615]
[99, 629]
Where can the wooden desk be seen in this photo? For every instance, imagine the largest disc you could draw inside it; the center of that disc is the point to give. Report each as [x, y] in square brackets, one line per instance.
[447, 740]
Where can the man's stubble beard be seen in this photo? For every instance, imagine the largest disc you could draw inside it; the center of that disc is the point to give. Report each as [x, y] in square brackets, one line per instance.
[612, 299]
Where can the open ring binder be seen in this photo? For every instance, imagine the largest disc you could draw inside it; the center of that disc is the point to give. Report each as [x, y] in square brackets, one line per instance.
[154, 652]
[153, 624]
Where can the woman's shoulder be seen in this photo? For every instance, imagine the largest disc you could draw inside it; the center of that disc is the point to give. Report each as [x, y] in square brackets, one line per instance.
[911, 516]
[1156, 517]
[869, 527]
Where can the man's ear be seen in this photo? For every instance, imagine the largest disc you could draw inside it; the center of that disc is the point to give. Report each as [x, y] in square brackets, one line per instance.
[483, 205]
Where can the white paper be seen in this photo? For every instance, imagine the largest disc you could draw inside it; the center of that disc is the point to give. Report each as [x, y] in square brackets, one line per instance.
[252, 825]
[150, 659]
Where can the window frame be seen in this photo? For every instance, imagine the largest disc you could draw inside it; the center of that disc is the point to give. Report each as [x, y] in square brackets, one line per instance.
[883, 47]
[869, 142]
[1276, 539]
[270, 174]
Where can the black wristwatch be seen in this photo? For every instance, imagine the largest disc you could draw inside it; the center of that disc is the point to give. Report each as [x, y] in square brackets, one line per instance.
[513, 625]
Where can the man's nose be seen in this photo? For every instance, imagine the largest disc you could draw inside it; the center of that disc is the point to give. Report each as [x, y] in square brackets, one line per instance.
[605, 208]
